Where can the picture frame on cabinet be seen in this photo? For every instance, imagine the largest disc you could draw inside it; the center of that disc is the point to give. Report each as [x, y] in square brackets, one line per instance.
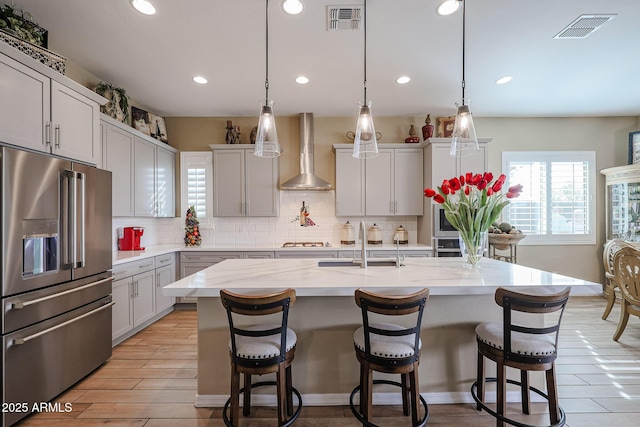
[634, 147]
[140, 120]
[444, 126]
[157, 128]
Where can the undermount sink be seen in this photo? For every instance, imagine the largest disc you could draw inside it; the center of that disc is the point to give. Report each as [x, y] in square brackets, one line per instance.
[349, 263]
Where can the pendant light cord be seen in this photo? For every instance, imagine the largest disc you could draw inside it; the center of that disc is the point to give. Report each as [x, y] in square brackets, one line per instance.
[463, 46]
[365, 52]
[266, 74]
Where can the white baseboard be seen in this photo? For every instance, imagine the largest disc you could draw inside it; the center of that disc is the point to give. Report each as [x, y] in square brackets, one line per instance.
[342, 399]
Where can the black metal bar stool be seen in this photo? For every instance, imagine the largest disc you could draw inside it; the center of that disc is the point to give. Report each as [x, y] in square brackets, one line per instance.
[389, 348]
[260, 349]
[527, 348]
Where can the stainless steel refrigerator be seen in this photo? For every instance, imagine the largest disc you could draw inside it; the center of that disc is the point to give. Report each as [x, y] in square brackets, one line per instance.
[56, 279]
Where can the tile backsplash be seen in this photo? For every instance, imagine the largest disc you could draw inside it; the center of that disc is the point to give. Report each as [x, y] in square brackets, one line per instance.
[267, 231]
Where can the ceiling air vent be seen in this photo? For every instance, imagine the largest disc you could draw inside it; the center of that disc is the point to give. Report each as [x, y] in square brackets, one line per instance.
[344, 18]
[583, 26]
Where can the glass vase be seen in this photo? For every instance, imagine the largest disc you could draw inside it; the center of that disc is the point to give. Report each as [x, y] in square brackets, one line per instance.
[472, 246]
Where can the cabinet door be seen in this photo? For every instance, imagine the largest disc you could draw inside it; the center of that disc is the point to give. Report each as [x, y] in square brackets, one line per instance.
[350, 174]
[75, 121]
[118, 155]
[145, 178]
[143, 302]
[122, 310]
[443, 165]
[379, 185]
[228, 183]
[25, 107]
[408, 179]
[165, 183]
[476, 163]
[262, 196]
[164, 276]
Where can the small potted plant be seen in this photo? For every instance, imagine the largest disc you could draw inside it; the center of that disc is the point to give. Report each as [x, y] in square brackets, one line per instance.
[20, 24]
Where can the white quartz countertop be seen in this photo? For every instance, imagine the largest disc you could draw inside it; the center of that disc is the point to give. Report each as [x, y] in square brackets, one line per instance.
[443, 276]
[121, 257]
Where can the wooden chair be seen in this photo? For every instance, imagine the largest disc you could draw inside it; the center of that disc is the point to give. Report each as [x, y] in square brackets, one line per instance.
[260, 349]
[610, 287]
[527, 348]
[626, 269]
[389, 348]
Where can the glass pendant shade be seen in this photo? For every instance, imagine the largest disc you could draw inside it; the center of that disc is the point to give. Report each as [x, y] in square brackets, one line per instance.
[365, 144]
[267, 144]
[464, 140]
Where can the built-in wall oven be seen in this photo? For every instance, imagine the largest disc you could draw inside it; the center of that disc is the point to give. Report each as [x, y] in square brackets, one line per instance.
[445, 237]
[56, 278]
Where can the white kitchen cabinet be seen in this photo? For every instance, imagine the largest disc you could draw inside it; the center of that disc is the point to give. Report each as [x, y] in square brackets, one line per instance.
[443, 166]
[387, 185]
[144, 160]
[305, 253]
[350, 194]
[143, 171]
[192, 262]
[144, 291]
[258, 255]
[165, 275]
[165, 183]
[243, 184]
[43, 114]
[117, 157]
[122, 309]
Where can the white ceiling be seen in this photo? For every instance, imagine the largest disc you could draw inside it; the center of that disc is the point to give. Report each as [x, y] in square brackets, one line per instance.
[154, 57]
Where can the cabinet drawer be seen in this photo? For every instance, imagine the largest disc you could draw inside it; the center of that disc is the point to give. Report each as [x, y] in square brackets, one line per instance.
[166, 259]
[131, 268]
[306, 253]
[208, 257]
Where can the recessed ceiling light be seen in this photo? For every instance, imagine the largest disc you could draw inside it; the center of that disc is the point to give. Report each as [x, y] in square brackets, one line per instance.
[403, 80]
[447, 7]
[200, 80]
[144, 7]
[503, 80]
[302, 80]
[292, 7]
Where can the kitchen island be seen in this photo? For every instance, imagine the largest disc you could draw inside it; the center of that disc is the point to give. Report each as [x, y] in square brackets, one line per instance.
[325, 316]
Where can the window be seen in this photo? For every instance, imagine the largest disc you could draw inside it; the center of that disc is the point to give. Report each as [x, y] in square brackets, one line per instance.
[557, 203]
[195, 182]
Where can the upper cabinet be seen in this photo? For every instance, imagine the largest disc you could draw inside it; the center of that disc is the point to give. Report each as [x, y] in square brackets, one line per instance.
[443, 166]
[45, 111]
[243, 184]
[143, 171]
[387, 185]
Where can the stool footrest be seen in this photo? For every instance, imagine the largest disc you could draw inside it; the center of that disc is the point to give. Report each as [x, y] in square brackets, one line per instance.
[290, 421]
[366, 423]
[474, 394]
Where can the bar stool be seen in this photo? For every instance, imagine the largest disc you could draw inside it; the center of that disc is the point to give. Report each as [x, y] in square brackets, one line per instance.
[389, 348]
[260, 349]
[522, 347]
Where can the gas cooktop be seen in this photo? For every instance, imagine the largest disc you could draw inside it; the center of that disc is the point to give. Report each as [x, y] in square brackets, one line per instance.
[304, 245]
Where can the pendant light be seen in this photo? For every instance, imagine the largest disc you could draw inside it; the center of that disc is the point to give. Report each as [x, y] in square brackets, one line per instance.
[267, 144]
[464, 141]
[365, 144]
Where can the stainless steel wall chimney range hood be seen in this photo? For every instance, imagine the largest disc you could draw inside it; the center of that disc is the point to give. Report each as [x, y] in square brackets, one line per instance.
[307, 180]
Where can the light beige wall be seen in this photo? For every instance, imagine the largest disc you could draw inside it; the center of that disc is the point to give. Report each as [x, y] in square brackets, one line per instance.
[607, 136]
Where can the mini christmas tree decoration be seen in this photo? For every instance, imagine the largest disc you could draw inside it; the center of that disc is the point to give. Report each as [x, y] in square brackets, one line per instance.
[192, 228]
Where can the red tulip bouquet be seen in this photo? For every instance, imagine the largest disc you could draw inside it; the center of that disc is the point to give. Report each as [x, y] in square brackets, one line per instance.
[471, 204]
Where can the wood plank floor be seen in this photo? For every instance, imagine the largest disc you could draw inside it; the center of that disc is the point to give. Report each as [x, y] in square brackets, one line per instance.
[151, 381]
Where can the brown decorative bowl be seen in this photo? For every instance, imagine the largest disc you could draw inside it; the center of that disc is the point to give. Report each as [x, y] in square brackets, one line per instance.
[502, 241]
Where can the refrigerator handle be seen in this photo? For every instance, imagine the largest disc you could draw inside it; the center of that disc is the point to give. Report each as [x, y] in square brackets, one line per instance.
[82, 178]
[67, 206]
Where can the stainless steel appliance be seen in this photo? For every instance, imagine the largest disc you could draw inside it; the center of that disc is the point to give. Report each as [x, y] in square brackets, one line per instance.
[56, 278]
[445, 237]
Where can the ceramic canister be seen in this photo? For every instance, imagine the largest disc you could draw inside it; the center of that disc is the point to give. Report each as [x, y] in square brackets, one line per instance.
[347, 234]
[374, 235]
[403, 236]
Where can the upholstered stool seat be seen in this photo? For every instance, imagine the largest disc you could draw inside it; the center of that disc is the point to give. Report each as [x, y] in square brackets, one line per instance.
[259, 349]
[389, 348]
[522, 345]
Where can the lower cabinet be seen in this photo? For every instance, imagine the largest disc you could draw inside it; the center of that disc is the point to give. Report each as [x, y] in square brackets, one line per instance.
[192, 262]
[306, 253]
[137, 294]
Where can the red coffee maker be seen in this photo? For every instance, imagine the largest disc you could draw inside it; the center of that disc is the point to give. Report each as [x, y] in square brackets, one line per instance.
[129, 238]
